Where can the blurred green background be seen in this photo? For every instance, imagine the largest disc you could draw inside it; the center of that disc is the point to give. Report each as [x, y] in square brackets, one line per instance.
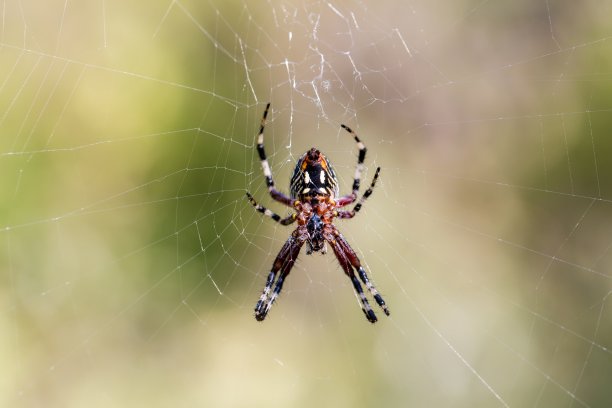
[131, 260]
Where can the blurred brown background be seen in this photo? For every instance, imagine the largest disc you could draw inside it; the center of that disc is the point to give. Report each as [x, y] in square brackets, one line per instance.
[131, 260]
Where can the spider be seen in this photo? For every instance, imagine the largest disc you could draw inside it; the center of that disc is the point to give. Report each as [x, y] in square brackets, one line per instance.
[314, 195]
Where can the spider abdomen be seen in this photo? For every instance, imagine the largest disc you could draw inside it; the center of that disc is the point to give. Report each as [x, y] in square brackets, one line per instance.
[313, 175]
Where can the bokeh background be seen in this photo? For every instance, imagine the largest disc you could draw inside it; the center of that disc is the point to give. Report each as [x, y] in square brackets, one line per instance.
[130, 260]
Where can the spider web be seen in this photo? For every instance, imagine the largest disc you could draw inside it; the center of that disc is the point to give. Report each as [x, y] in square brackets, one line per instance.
[132, 261]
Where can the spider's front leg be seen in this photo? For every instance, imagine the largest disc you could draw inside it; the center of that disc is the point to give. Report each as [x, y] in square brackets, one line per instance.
[284, 262]
[354, 260]
[345, 263]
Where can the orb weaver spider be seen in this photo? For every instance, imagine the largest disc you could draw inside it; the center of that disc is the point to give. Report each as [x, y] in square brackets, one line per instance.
[314, 195]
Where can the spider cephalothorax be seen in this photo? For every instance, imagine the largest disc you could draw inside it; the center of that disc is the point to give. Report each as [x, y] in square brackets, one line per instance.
[316, 241]
[314, 195]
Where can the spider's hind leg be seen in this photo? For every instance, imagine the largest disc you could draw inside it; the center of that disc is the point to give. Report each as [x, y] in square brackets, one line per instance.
[360, 160]
[284, 221]
[261, 151]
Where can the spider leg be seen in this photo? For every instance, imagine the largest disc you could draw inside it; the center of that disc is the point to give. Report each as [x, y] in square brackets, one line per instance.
[345, 263]
[354, 260]
[348, 199]
[276, 195]
[284, 221]
[355, 210]
[284, 262]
